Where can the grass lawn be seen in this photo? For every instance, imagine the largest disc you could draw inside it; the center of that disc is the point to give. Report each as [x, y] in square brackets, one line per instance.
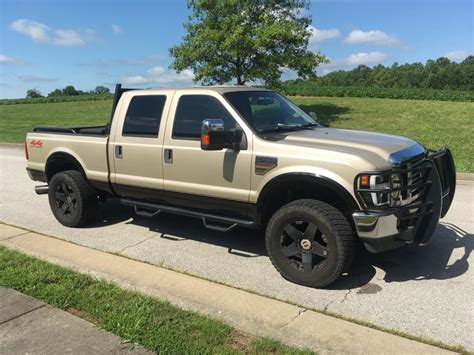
[154, 324]
[433, 123]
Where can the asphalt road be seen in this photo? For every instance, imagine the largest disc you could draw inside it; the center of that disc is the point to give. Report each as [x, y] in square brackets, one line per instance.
[424, 291]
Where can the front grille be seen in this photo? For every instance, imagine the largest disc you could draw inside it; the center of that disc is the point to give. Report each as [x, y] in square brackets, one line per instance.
[392, 189]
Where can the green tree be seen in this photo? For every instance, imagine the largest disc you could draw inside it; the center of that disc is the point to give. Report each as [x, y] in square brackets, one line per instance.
[32, 93]
[101, 90]
[246, 40]
[56, 92]
[70, 91]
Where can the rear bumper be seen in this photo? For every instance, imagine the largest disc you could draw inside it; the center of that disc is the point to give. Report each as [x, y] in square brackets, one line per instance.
[414, 223]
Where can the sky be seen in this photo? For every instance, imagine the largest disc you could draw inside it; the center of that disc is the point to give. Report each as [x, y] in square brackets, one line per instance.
[48, 44]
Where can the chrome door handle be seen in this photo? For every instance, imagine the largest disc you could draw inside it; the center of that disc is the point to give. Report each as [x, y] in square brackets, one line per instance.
[169, 156]
[118, 152]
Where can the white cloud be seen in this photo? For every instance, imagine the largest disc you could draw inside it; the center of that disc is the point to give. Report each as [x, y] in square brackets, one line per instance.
[375, 37]
[37, 31]
[116, 28]
[137, 79]
[36, 79]
[5, 59]
[319, 35]
[41, 33]
[161, 76]
[457, 56]
[68, 38]
[366, 58]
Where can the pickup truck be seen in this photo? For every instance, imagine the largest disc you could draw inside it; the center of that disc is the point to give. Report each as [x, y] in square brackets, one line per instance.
[249, 157]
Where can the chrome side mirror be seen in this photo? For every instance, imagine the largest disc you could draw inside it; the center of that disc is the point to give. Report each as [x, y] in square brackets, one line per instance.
[212, 134]
[313, 115]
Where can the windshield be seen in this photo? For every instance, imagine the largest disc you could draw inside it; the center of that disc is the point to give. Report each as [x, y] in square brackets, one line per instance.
[268, 111]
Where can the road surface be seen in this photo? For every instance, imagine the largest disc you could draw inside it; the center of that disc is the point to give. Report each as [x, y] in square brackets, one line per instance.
[424, 291]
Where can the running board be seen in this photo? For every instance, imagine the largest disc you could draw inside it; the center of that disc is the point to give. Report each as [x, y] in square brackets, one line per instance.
[206, 218]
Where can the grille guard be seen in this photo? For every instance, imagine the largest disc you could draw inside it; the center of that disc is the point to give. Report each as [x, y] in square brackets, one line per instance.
[436, 194]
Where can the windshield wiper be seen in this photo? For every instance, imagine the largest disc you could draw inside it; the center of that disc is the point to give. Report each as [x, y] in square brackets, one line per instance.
[286, 127]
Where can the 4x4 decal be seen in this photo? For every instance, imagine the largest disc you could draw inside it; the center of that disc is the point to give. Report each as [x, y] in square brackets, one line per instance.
[37, 143]
[264, 164]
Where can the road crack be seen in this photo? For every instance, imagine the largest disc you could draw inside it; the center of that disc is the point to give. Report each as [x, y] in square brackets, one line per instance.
[134, 245]
[300, 312]
[346, 295]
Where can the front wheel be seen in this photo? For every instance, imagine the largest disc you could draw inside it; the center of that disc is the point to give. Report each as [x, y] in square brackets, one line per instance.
[73, 202]
[310, 242]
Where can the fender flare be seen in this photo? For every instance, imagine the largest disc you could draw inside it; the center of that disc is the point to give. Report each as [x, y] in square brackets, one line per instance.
[66, 156]
[316, 179]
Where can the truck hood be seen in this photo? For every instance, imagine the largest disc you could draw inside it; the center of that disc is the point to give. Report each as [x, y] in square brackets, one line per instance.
[380, 149]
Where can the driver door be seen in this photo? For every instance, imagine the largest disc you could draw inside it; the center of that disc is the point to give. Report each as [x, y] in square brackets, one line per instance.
[192, 173]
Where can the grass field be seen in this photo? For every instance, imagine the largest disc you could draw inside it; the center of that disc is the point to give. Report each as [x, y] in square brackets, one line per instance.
[154, 324]
[433, 123]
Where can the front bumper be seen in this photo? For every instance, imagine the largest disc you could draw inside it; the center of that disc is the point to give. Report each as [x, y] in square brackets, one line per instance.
[415, 222]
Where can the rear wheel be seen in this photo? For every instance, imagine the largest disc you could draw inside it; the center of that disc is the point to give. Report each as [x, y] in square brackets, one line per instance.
[310, 242]
[73, 202]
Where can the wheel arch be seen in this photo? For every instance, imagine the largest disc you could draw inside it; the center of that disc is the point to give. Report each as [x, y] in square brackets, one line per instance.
[288, 187]
[61, 161]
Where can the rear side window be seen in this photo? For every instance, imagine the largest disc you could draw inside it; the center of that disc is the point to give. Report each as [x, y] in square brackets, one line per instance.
[193, 109]
[144, 116]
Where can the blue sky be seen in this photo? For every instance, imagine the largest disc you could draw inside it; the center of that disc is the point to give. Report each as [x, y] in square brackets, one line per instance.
[51, 44]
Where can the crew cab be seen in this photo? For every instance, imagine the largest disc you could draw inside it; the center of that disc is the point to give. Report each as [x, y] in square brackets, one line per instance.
[239, 156]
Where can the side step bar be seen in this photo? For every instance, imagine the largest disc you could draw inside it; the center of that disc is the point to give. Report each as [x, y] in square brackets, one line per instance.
[205, 217]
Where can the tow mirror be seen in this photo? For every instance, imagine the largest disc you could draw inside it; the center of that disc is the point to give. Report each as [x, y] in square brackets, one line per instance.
[214, 137]
[212, 134]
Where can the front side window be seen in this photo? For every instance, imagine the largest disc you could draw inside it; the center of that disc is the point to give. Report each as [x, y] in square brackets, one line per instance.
[144, 116]
[268, 111]
[193, 109]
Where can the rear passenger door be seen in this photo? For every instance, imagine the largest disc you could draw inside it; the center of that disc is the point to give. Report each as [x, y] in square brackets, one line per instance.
[137, 146]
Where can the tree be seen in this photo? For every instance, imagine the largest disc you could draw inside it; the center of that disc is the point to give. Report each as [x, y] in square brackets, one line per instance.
[32, 93]
[101, 90]
[246, 40]
[56, 92]
[70, 91]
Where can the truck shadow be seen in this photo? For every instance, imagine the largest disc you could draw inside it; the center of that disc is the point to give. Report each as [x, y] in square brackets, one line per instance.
[327, 113]
[446, 257]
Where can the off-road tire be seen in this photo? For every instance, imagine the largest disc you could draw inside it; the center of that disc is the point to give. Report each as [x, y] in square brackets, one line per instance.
[335, 236]
[83, 197]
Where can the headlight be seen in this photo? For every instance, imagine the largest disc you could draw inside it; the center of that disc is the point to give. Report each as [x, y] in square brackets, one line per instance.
[374, 189]
[389, 189]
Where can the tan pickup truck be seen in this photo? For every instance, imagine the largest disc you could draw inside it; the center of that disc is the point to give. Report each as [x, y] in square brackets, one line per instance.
[248, 157]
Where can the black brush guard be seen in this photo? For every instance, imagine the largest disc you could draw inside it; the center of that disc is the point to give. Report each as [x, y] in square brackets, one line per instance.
[437, 188]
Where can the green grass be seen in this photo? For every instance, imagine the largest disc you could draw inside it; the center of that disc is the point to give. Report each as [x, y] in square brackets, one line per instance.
[154, 324]
[433, 123]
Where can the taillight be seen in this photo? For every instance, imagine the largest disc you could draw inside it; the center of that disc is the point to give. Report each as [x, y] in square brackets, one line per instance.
[26, 151]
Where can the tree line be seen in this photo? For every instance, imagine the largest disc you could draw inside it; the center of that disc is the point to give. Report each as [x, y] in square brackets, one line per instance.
[68, 91]
[441, 74]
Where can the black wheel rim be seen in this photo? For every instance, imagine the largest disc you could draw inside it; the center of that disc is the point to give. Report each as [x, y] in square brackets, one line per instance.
[304, 245]
[66, 199]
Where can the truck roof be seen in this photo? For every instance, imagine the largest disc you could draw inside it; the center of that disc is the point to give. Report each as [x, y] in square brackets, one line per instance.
[217, 88]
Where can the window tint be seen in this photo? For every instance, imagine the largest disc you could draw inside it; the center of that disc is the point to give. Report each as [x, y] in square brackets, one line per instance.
[144, 115]
[193, 109]
[266, 110]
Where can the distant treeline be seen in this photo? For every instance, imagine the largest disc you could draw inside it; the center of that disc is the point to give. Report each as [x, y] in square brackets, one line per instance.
[67, 91]
[67, 94]
[440, 74]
